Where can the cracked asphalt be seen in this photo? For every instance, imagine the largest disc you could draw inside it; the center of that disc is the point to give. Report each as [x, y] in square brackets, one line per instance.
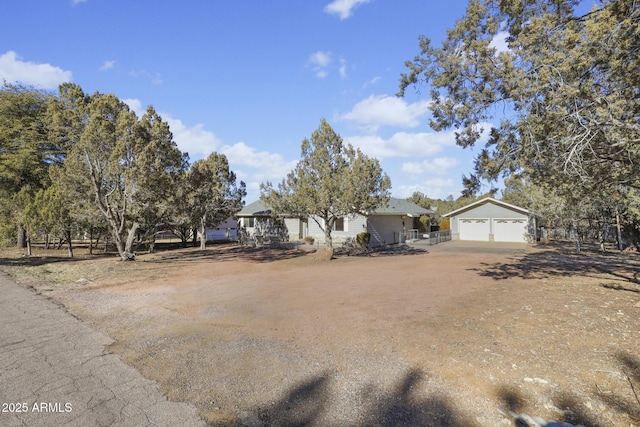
[54, 371]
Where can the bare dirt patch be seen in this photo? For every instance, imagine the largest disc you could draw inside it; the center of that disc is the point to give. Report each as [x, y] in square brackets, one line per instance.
[453, 334]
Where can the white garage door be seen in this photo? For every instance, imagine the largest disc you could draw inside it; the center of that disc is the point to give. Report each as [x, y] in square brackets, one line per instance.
[509, 230]
[474, 229]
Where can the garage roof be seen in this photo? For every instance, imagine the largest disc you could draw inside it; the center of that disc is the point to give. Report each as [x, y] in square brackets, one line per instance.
[484, 201]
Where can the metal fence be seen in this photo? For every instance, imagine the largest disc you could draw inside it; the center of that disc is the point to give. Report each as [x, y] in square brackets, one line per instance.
[433, 237]
[436, 237]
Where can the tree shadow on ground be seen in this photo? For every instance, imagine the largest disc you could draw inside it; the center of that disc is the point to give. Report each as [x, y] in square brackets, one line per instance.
[560, 261]
[302, 405]
[626, 401]
[385, 251]
[36, 261]
[629, 403]
[231, 252]
[307, 403]
[400, 250]
[404, 407]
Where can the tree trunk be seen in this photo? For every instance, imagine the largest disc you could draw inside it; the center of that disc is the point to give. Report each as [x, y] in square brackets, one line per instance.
[618, 231]
[130, 239]
[22, 236]
[576, 236]
[194, 236]
[91, 240]
[203, 236]
[70, 245]
[125, 245]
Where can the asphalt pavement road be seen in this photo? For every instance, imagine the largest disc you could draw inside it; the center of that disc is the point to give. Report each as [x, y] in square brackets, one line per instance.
[54, 371]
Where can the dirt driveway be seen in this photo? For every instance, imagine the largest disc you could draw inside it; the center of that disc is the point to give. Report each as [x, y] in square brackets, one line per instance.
[455, 334]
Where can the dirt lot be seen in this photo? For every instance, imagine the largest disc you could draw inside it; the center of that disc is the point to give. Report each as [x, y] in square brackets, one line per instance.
[455, 334]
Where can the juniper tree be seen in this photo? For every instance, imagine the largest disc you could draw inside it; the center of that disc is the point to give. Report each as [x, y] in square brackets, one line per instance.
[131, 164]
[565, 92]
[330, 181]
[212, 193]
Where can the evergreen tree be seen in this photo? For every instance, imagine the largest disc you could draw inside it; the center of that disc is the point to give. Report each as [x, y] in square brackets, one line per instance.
[330, 181]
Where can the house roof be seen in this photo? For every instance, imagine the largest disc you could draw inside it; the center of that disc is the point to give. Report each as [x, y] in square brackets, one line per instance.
[257, 208]
[402, 207]
[393, 207]
[485, 201]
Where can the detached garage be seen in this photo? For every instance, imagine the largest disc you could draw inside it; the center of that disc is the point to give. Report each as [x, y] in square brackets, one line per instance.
[490, 220]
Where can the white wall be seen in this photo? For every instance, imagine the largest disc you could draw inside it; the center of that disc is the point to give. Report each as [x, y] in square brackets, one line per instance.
[383, 227]
[353, 225]
[487, 210]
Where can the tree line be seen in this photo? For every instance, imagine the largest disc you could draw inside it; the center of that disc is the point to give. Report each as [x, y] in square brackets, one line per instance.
[72, 163]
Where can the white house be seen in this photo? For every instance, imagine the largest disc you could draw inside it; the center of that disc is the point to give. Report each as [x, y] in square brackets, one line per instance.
[389, 224]
[490, 220]
[392, 223]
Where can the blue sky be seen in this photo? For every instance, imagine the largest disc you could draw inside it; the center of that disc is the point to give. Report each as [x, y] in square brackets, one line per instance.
[251, 78]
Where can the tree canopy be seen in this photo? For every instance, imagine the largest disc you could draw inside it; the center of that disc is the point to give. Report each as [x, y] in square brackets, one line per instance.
[329, 182]
[566, 90]
[212, 194]
[131, 165]
[26, 153]
[74, 164]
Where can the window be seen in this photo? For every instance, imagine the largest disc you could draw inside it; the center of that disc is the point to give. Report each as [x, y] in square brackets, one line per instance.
[338, 224]
[248, 222]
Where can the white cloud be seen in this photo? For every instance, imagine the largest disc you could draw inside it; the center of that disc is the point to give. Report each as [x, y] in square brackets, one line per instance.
[108, 65]
[321, 74]
[437, 166]
[265, 165]
[13, 69]
[319, 62]
[384, 110]
[195, 140]
[499, 42]
[343, 68]
[343, 8]
[437, 188]
[320, 59]
[403, 144]
[76, 2]
[371, 82]
[135, 105]
[255, 167]
[154, 78]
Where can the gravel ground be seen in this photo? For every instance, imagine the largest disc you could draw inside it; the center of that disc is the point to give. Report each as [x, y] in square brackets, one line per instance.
[456, 334]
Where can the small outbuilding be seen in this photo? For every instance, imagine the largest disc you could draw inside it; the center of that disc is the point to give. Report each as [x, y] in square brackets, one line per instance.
[490, 220]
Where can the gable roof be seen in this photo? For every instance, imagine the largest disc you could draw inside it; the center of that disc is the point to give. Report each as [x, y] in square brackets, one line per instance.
[401, 207]
[485, 201]
[257, 208]
[393, 207]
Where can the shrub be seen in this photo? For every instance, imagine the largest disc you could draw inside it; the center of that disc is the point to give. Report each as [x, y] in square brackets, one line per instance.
[363, 239]
[444, 224]
[309, 239]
